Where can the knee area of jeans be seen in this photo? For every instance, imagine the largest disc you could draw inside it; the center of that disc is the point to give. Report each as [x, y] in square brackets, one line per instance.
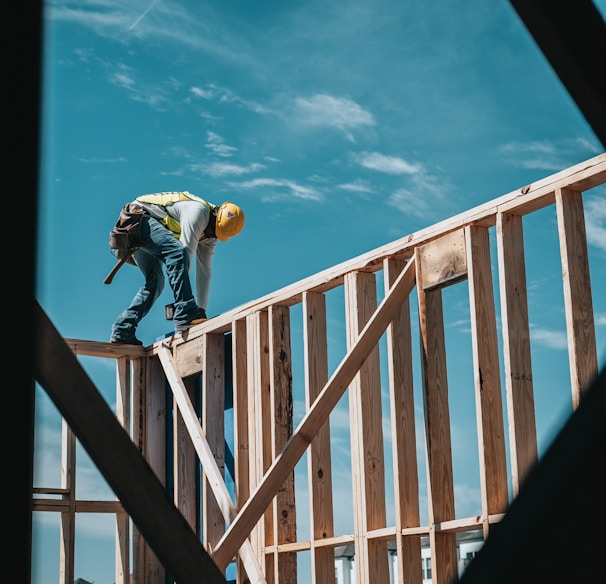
[177, 255]
[155, 281]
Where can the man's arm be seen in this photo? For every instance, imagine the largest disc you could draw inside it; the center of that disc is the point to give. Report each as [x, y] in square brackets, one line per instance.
[193, 218]
[204, 259]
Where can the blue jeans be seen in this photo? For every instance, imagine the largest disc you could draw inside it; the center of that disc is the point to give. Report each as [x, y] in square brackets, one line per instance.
[159, 248]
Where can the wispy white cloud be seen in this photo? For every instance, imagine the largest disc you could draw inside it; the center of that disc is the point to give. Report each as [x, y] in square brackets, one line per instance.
[425, 198]
[47, 457]
[210, 117]
[123, 22]
[462, 324]
[419, 196]
[467, 497]
[360, 189]
[170, 21]
[549, 338]
[98, 16]
[387, 164]
[277, 189]
[222, 95]
[546, 155]
[595, 221]
[179, 151]
[208, 93]
[117, 159]
[215, 144]
[327, 111]
[155, 96]
[409, 203]
[217, 169]
[122, 76]
[356, 187]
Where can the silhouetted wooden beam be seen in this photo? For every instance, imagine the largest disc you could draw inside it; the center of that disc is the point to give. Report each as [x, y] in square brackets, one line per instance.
[110, 447]
[554, 529]
[572, 36]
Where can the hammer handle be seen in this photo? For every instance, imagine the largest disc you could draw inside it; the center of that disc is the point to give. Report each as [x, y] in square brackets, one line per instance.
[114, 271]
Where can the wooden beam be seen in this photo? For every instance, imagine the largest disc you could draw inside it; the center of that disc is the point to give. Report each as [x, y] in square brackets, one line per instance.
[530, 198]
[319, 462]
[213, 474]
[154, 403]
[123, 415]
[129, 475]
[366, 435]
[440, 479]
[487, 377]
[241, 417]
[403, 433]
[213, 426]
[184, 467]
[578, 303]
[284, 513]
[516, 347]
[68, 516]
[315, 418]
[444, 260]
[572, 37]
[562, 495]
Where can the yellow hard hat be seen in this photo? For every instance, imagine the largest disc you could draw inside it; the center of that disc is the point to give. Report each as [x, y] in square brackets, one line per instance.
[230, 221]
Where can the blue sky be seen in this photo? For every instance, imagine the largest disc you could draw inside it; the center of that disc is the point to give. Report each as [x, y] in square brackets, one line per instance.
[337, 127]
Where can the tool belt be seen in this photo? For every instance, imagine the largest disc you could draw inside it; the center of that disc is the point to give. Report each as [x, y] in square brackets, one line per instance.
[125, 237]
[126, 234]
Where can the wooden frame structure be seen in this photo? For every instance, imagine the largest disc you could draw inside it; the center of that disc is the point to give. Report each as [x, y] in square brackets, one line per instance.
[249, 352]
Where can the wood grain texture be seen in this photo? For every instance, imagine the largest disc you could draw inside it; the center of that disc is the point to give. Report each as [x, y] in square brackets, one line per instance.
[284, 504]
[366, 431]
[260, 531]
[578, 303]
[440, 478]
[319, 461]
[213, 473]
[487, 374]
[516, 347]
[315, 417]
[403, 432]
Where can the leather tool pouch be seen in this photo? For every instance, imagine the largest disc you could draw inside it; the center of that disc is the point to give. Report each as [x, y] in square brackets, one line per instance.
[125, 237]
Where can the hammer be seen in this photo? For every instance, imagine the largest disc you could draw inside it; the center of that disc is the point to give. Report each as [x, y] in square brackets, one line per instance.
[114, 271]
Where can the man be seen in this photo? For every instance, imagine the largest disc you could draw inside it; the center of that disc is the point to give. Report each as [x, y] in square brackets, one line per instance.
[174, 226]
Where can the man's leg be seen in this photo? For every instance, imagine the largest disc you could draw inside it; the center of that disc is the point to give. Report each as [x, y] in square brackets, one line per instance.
[159, 246]
[125, 327]
[176, 259]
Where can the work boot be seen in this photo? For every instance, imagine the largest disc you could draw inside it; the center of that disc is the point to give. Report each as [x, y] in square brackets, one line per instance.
[132, 341]
[197, 320]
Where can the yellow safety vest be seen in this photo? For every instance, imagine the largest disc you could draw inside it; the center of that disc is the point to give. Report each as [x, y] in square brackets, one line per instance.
[168, 198]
